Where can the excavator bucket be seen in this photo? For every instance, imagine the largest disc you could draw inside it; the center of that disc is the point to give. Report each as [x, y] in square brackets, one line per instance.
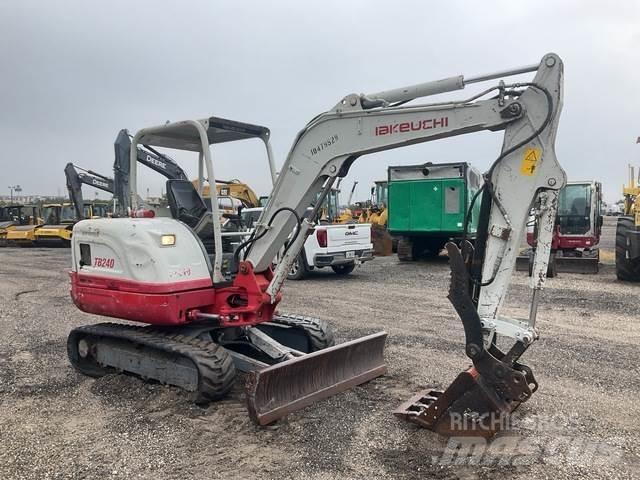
[479, 400]
[289, 386]
[468, 407]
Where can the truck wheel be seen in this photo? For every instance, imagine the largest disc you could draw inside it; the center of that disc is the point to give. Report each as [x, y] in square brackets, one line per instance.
[343, 269]
[626, 269]
[298, 269]
[405, 250]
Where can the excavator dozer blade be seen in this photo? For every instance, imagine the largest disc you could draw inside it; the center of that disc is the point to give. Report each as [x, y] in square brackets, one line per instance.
[577, 264]
[562, 264]
[294, 384]
[467, 408]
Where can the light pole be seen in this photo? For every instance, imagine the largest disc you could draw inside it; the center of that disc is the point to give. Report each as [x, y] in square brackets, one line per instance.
[14, 188]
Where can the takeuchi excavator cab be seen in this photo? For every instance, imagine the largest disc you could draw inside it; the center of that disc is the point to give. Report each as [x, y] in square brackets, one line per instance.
[186, 205]
[579, 210]
[200, 136]
[577, 230]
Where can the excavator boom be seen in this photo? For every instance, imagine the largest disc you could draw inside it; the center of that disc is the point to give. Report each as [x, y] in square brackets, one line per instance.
[526, 170]
[76, 179]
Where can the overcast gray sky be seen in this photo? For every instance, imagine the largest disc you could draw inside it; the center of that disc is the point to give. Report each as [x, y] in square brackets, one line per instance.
[75, 72]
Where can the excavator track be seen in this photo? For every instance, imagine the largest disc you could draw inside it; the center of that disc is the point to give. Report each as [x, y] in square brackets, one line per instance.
[193, 364]
[318, 331]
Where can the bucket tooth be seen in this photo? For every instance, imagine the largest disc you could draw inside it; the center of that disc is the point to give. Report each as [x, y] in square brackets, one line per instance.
[294, 384]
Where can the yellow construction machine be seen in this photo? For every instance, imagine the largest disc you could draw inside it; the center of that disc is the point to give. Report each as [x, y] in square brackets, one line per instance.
[234, 189]
[58, 225]
[14, 217]
[628, 232]
[375, 212]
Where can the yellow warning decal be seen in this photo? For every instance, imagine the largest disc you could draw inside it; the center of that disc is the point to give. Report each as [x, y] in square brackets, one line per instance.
[530, 161]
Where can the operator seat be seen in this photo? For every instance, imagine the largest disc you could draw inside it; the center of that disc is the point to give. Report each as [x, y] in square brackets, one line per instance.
[577, 223]
[187, 205]
[579, 206]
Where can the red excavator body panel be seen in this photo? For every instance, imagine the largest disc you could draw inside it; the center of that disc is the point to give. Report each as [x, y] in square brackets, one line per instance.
[176, 303]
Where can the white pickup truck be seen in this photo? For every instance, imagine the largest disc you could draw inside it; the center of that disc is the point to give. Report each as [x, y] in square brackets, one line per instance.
[339, 246]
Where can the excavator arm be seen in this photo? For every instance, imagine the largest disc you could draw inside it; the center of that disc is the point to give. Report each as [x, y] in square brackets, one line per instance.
[148, 156]
[526, 170]
[75, 180]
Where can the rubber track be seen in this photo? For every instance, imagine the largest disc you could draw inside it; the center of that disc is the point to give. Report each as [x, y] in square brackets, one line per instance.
[319, 332]
[216, 372]
[405, 250]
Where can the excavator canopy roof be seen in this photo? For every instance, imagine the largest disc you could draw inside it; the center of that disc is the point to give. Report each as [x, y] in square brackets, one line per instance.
[183, 136]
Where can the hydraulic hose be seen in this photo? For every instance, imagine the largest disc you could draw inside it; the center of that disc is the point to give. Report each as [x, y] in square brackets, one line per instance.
[488, 185]
[253, 238]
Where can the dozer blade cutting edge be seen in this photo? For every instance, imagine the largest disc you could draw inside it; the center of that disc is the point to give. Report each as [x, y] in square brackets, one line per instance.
[563, 264]
[289, 386]
[577, 264]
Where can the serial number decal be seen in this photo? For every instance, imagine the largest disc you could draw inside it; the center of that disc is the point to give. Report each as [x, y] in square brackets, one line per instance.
[327, 143]
[414, 126]
[103, 262]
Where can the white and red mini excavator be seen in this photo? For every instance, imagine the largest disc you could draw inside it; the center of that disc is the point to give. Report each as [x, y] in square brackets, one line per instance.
[209, 297]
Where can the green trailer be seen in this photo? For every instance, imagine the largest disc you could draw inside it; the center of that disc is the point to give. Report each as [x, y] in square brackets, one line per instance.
[427, 205]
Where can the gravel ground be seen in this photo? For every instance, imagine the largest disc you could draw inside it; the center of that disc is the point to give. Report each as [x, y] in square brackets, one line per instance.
[584, 422]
